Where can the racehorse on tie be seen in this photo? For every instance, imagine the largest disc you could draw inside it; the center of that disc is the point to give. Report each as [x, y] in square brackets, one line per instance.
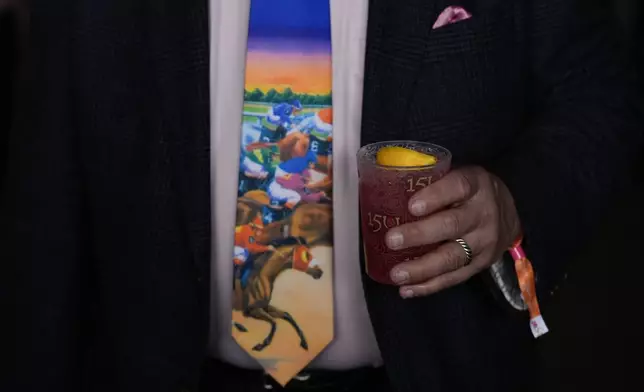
[255, 299]
[249, 204]
[313, 222]
[295, 144]
[310, 221]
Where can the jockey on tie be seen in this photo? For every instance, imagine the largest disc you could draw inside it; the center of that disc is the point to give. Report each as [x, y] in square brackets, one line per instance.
[292, 177]
[258, 166]
[278, 120]
[320, 130]
[247, 248]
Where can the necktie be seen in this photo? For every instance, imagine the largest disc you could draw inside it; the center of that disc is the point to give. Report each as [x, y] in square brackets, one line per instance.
[282, 284]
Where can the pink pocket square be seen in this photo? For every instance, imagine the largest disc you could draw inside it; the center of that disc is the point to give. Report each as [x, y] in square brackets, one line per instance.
[451, 14]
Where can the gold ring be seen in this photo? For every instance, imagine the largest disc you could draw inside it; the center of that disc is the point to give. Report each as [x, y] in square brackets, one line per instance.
[467, 249]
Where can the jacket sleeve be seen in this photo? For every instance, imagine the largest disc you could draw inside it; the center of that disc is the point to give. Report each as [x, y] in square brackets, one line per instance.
[42, 233]
[581, 147]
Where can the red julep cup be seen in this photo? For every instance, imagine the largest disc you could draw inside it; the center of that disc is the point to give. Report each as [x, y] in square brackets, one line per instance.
[385, 192]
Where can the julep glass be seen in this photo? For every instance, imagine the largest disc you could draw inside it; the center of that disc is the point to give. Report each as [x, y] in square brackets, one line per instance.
[385, 192]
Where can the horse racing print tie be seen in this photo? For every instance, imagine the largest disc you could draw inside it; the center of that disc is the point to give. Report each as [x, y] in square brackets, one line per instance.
[282, 284]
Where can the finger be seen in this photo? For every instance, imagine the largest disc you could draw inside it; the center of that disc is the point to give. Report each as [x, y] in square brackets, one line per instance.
[446, 258]
[440, 282]
[457, 186]
[442, 226]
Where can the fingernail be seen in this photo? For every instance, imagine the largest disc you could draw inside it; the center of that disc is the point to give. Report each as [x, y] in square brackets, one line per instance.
[418, 207]
[407, 293]
[394, 240]
[399, 276]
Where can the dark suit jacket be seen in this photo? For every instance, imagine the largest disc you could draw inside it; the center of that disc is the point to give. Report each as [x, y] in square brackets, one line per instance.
[7, 75]
[108, 208]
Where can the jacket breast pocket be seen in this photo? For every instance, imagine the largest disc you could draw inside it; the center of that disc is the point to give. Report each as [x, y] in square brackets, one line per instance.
[469, 91]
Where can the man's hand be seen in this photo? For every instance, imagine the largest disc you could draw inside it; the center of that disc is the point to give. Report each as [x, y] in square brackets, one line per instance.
[467, 203]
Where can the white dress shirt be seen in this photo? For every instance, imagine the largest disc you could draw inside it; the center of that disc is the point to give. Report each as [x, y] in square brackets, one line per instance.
[354, 344]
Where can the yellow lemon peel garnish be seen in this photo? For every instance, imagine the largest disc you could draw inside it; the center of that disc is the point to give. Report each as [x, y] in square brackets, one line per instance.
[403, 157]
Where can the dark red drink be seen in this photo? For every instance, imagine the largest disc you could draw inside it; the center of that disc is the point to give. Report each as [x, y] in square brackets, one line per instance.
[384, 196]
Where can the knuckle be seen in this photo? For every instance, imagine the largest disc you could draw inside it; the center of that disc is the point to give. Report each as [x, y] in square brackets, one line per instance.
[464, 187]
[451, 224]
[489, 241]
[424, 194]
[413, 233]
[480, 244]
[416, 271]
[488, 215]
[479, 172]
[424, 268]
[453, 258]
